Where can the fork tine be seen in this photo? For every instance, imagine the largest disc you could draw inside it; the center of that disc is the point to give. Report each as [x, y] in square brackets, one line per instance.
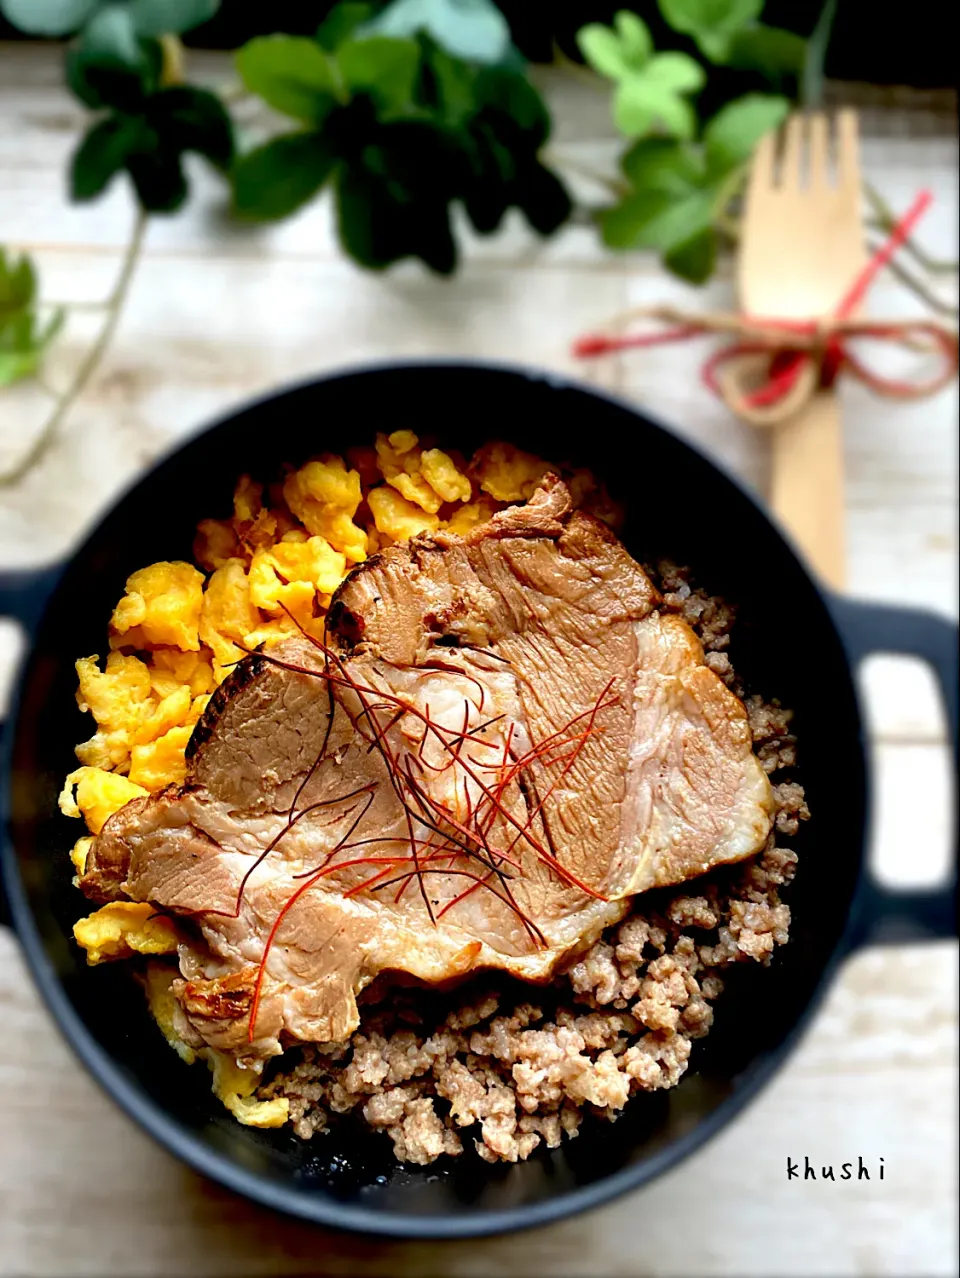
[848, 151]
[763, 165]
[819, 153]
[791, 164]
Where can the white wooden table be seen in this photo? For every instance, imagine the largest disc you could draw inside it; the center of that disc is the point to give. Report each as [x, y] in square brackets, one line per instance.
[216, 315]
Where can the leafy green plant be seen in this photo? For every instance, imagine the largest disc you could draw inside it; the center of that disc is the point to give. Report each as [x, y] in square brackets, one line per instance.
[729, 32]
[117, 66]
[678, 188]
[410, 109]
[402, 130]
[652, 88]
[472, 30]
[679, 191]
[23, 336]
[145, 129]
[116, 24]
[714, 24]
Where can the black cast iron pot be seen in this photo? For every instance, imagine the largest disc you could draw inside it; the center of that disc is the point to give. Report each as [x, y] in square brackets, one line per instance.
[791, 641]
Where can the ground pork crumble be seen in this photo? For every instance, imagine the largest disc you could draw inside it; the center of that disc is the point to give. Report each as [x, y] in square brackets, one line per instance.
[486, 1068]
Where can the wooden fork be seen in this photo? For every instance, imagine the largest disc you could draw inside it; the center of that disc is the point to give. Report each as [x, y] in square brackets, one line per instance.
[802, 248]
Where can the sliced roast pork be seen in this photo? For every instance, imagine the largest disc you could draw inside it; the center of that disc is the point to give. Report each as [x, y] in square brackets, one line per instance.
[504, 740]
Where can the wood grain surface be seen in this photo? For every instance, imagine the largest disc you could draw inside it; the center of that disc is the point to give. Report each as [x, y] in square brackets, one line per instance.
[217, 315]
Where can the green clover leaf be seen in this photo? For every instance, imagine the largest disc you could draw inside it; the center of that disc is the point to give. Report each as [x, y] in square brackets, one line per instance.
[663, 164]
[384, 69]
[656, 94]
[100, 78]
[634, 35]
[404, 131]
[517, 108]
[774, 53]
[730, 137]
[149, 142]
[448, 86]
[669, 203]
[293, 74]
[342, 22]
[652, 89]
[503, 168]
[394, 200]
[713, 24]
[110, 34]
[48, 17]
[276, 179]
[473, 30]
[103, 153]
[616, 53]
[678, 189]
[23, 338]
[670, 208]
[140, 17]
[693, 259]
[191, 119]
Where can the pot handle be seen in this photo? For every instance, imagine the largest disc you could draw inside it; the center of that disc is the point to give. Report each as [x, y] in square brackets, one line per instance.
[23, 597]
[885, 915]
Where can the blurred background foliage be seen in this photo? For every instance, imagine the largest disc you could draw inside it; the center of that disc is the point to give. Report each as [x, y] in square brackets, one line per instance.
[870, 42]
[411, 109]
[420, 115]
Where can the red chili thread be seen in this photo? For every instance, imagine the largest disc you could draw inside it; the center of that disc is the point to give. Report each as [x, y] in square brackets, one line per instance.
[451, 846]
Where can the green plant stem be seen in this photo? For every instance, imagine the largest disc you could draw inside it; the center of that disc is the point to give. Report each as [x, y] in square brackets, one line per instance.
[811, 79]
[728, 226]
[886, 220]
[731, 188]
[919, 288]
[173, 60]
[76, 306]
[617, 188]
[88, 365]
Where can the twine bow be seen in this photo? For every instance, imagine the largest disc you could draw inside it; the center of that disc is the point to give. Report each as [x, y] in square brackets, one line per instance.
[776, 365]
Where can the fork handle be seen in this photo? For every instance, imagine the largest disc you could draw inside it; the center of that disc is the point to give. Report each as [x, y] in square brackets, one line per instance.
[806, 490]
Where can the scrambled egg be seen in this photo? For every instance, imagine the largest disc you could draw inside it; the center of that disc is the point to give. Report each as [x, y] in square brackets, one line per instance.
[324, 496]
[170, 668]
[235, 1087]
[161, 762]
[78, 853]
[508, 474]
[290, 575]
[161, 606]
[124, 928]
[264, 573]
[425, 479]
[227, 615]
[475, 512]
[98, 795]
[119, 697]
[397, 518]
